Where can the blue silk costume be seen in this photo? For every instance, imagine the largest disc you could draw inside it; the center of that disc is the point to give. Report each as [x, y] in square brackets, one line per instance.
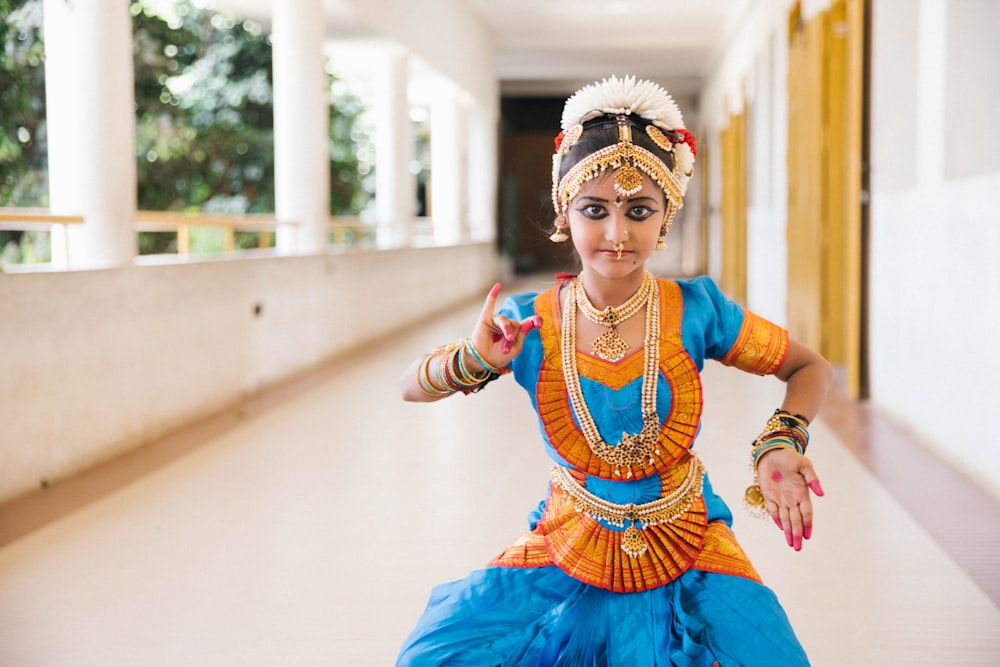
[569, 593]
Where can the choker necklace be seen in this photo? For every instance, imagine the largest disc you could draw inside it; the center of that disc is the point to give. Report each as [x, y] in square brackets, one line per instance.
[610, 346]
[634, 450]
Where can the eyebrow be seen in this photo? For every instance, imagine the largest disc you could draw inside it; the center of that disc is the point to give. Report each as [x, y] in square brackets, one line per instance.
[630, 199]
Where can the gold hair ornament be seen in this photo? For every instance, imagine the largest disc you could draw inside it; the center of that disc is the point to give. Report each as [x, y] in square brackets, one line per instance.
[622, 98]
[629, 160]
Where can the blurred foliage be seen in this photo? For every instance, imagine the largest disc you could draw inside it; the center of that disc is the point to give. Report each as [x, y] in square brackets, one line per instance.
[204, 118]
[23, 165]
[203, 89]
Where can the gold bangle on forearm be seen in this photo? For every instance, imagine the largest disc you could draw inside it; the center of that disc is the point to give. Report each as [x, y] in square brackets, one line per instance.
[424, 380]
[452, 373]
[783, 430]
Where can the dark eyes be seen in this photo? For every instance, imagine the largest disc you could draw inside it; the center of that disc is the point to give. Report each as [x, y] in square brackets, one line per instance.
[638, 212]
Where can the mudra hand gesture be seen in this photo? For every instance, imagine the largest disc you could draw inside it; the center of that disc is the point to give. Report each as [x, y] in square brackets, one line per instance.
[497, 338]
[471, 363]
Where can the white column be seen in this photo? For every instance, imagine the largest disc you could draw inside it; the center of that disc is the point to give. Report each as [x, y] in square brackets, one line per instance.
[395, 185]
[932, 44]
[90, 100]
[482, 174]
[301, 127]
[448, 187]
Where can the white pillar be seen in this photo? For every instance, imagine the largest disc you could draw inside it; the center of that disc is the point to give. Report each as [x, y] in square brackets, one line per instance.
[395, 185]
[90, 100]
[482, 174]
[448, 187]
[932, 41]
[301, 127]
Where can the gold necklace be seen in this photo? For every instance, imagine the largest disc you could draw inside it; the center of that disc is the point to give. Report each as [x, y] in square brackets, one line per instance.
[633, 449]
[610, 346]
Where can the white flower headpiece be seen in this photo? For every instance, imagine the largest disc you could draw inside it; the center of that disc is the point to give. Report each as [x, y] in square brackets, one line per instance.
[623, 96]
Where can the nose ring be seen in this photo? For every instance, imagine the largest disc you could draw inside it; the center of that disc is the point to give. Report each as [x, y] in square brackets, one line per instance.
[619, 247]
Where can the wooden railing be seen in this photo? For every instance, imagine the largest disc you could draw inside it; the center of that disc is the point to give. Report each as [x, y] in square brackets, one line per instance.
[345, 233]
[181, 223]
[34, 218]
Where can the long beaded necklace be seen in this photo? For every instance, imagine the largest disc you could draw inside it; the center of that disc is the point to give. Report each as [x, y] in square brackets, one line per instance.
[610, 346]
[634, 449]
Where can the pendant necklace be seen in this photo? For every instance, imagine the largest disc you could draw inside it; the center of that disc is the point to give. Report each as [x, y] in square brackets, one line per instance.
[634, 449]
[610, 346]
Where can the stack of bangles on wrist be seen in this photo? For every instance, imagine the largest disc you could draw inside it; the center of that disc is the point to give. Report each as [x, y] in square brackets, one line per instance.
[783, 430]
[452, 374]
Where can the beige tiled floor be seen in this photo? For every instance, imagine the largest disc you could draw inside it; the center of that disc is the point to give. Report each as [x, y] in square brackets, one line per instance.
[311, 534]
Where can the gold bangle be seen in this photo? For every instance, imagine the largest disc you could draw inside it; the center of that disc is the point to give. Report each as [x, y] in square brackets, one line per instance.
[424, 380]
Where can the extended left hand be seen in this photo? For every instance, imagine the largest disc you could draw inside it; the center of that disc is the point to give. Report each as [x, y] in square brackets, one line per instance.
[786, 478]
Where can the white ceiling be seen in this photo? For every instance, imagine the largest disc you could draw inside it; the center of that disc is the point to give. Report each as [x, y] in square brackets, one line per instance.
[555, 46]
[552, 47]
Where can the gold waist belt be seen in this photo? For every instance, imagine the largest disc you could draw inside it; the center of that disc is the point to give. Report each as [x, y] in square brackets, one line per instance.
[638, 517]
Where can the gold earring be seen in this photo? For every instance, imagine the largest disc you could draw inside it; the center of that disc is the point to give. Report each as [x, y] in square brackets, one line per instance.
[559, 236]
[660, 243]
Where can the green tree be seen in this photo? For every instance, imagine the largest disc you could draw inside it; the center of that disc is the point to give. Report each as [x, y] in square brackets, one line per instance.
[204, 117]
[23, 180]
[204, 96]
[23, 172]
[204, 137]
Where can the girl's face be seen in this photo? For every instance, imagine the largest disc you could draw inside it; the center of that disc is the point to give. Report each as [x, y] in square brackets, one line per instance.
[601, 221]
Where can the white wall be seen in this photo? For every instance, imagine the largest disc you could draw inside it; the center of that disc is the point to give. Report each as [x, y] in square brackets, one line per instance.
[98, 362]
[749, 76]
[935, 230]
[767, 160]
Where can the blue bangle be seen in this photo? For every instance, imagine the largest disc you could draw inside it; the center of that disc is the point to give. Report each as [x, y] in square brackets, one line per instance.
[479, 359]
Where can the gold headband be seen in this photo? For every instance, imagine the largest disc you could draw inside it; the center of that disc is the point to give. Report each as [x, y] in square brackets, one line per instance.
[625, 157]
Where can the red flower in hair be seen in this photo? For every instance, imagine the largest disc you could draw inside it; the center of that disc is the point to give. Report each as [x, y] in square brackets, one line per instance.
[559, 140]
[688, 138]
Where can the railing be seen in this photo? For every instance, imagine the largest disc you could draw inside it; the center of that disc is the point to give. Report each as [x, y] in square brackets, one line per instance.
[344, 233]
[182, 223]
[34, 218]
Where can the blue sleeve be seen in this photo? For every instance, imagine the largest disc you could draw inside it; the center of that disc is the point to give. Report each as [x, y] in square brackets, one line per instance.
[711, 320]
[525, 365]
[519, 306]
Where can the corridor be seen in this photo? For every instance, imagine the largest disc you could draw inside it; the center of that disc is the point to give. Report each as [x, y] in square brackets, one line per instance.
[309, 527]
